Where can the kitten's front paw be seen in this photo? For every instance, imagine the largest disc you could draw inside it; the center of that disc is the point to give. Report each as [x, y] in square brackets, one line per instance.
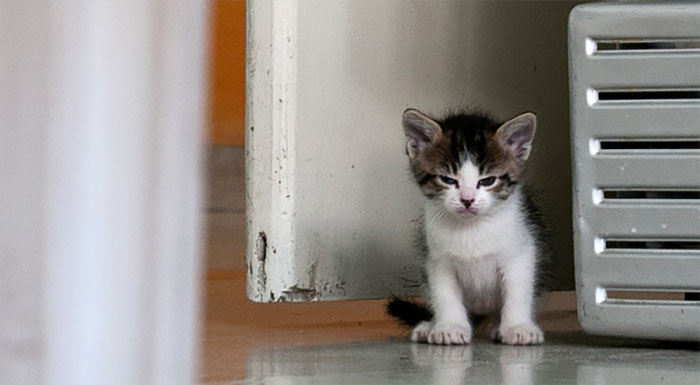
[523, 334]
[420, 331]
[450, 334]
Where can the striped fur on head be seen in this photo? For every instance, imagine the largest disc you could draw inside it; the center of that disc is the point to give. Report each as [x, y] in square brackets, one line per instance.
[467, 148]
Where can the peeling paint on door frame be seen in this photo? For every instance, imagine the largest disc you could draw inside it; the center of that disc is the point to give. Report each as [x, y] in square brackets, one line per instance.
[271, 66]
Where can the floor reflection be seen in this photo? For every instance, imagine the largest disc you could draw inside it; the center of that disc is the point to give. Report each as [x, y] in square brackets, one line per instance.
[566, 358]
[452, 365]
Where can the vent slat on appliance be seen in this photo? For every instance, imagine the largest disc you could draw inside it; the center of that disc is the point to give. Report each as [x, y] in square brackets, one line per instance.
[643, 170]
[654, 71]
[640, 270]
[639, 321]
[673, 120]
[656, 219]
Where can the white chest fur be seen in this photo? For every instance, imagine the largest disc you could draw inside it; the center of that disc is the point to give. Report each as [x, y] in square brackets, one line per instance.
[498, 234]
[477, 249]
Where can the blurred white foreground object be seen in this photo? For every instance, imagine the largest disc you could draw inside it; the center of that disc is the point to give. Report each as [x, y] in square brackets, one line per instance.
[102, 127]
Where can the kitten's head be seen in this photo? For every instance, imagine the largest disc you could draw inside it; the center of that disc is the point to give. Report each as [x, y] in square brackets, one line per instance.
[468, 161]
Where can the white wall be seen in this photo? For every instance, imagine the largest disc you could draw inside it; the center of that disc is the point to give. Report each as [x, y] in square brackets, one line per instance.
[328, 177]
[363, 62]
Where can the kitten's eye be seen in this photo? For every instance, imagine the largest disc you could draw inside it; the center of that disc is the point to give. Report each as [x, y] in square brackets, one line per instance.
[487, 181]
[448, 180]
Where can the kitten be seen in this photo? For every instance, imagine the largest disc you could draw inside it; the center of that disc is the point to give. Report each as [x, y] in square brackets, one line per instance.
[485, 238]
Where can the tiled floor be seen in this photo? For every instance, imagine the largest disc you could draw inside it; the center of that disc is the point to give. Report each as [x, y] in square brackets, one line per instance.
[354, 343]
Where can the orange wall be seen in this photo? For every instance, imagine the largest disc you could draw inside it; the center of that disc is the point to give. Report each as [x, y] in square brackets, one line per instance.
[227, 73]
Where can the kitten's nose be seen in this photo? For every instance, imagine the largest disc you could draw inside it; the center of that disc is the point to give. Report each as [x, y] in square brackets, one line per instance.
[467, 202]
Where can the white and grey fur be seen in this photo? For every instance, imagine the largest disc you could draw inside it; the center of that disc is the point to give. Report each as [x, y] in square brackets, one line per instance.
[484, 235]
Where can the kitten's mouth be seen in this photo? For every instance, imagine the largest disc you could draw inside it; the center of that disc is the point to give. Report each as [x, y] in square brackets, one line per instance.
[467, 212]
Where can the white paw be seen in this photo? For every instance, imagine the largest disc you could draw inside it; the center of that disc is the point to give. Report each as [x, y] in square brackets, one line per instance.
[420, 331]
[450, 334]
[523, 334]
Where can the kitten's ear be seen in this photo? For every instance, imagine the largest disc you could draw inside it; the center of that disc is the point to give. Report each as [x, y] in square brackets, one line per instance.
[420, 130]
[516, 135]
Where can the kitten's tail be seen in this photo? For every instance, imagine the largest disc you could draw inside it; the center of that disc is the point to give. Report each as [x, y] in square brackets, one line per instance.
[409, 313]
[412, 313]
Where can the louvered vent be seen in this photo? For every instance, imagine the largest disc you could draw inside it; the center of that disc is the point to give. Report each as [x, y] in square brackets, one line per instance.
[635, 111]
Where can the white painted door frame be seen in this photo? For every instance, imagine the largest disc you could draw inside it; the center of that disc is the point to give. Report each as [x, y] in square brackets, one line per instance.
[102, 127]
